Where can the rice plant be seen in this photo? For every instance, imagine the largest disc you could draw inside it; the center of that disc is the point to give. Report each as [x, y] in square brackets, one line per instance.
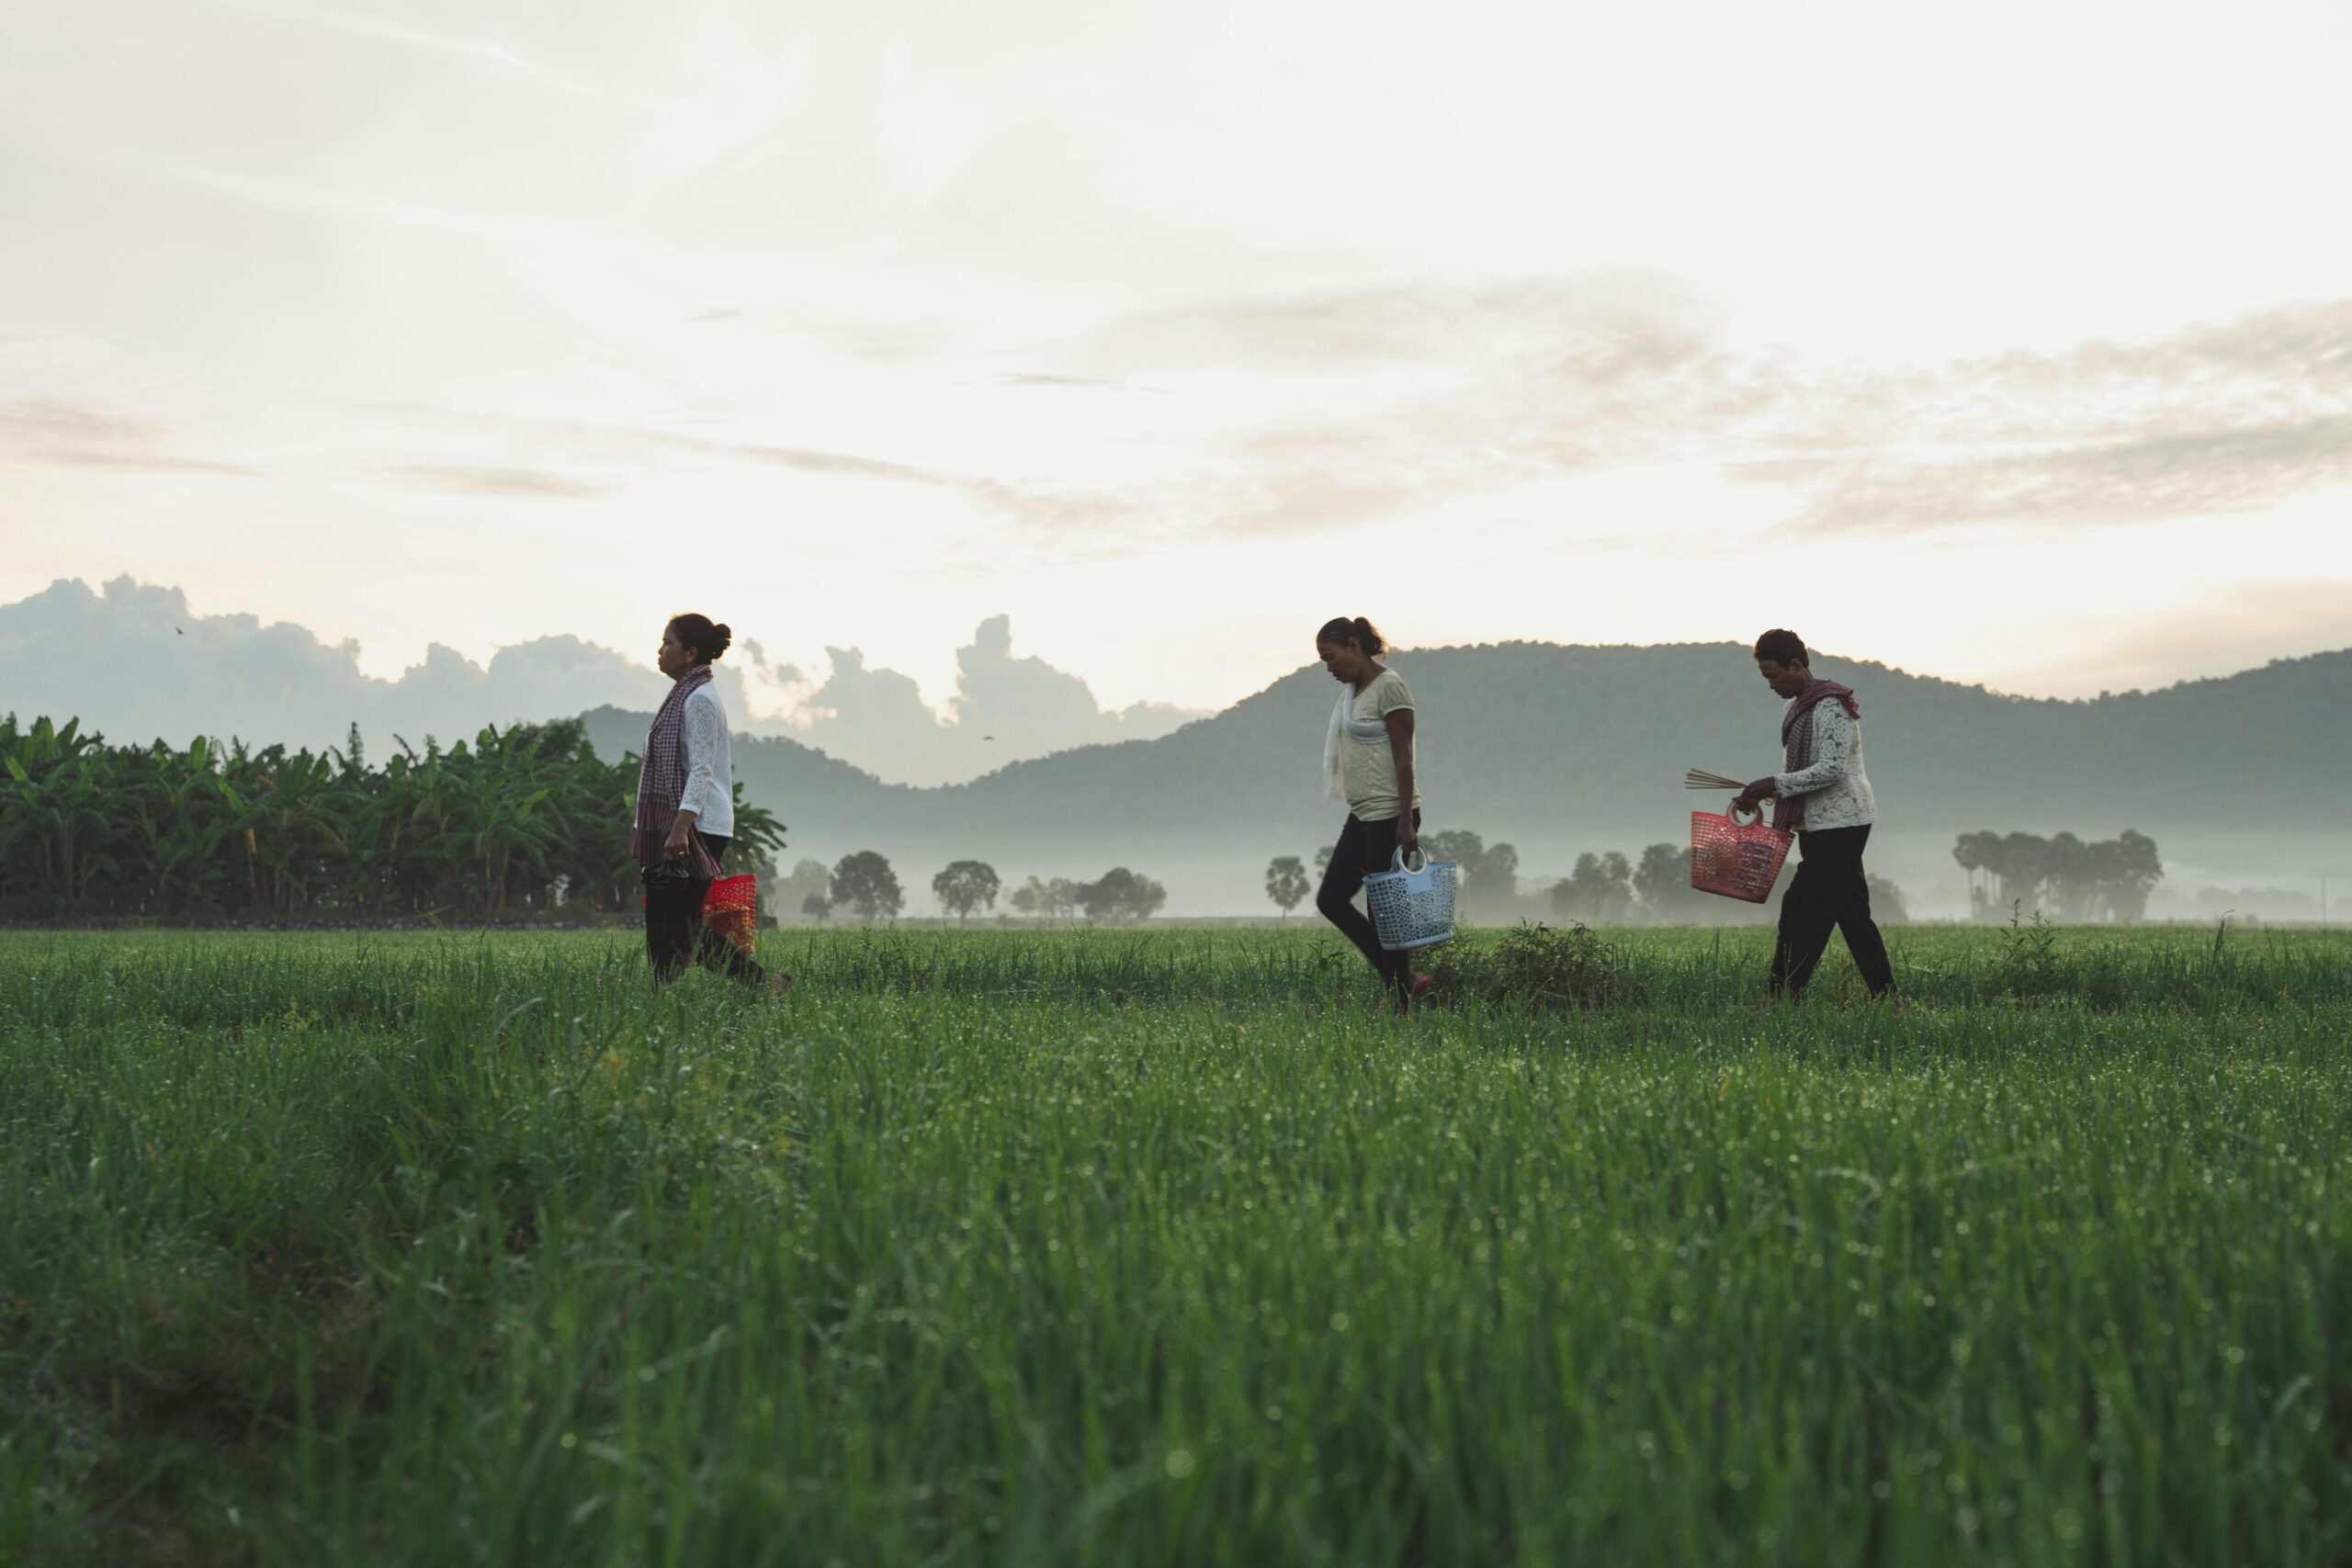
[1170, 1246]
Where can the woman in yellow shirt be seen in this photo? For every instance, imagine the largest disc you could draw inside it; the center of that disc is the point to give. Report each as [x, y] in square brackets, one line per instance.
[1368, 762]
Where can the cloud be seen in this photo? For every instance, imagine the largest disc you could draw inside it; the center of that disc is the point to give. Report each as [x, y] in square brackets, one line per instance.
[460, 480]
[1043, 378]
[810, 460]
[2218, 418]
[1032, 708]
[1349, 330]
[136, 662]
[72, 435]
[1543, 380]
[2226, 629]
[133, 660]
[2193, 473]
[1436, 394]
[1006, 707]
[1066, 509]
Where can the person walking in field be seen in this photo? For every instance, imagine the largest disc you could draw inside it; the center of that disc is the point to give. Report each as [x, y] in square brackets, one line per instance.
[686, 809]
[1368, 762]
[1824, 796]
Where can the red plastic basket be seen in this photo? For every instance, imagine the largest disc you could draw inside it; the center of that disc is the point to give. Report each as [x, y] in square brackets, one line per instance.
[731, 906]
[1737, 860]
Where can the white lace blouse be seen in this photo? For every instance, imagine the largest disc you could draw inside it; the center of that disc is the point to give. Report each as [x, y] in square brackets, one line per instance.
[710, 791]
[1837, 792]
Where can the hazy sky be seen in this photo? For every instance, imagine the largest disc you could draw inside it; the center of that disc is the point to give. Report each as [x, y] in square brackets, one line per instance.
[2010, 342]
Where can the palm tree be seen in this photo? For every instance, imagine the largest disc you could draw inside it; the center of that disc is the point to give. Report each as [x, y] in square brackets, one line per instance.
[1286, 882]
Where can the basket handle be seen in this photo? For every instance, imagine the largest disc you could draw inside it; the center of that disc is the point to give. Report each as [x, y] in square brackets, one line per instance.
[1414, 863]
[1732, 811]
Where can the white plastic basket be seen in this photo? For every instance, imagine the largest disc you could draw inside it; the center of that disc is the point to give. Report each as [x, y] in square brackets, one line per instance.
[1412, 901]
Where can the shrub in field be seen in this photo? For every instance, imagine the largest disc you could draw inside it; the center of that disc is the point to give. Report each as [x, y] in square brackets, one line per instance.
[2030, 961]
[1536, 965]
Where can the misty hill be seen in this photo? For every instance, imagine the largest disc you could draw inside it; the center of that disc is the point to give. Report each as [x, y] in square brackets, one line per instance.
[1560, 747]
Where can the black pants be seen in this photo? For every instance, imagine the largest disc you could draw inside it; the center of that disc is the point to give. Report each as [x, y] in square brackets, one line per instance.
[1829, 892]
[1363, 848]
[675, 936]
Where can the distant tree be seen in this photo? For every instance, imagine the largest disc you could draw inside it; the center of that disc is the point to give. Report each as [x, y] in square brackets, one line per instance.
[2061, 876]
[1467, 850]
[1599, 890]
[1886, 901]
[2073, 886]
[1056, 899]
[2134, 870]
[1121, 893]
[807, 877]
[1459, 845]
[1498, 879]
[864, 882]
[1323, 859]
[817, 906]
[965, 885]
[1662, 884]
[1487, 882]
[1029, 899]
[2004, 869]
[1286, 882]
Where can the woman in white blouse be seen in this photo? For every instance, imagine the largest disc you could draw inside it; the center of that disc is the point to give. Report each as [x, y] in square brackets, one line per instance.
[1824, 796]
[685, 806]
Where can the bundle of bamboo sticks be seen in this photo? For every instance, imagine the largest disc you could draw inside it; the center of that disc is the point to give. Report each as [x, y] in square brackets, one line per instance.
[1698, 778]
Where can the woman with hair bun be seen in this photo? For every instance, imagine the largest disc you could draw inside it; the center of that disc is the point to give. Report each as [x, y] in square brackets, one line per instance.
[685, 807]
[1368, 762]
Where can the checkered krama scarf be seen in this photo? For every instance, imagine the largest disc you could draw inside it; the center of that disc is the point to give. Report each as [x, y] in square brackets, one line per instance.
[662, 779]
[1796, 743]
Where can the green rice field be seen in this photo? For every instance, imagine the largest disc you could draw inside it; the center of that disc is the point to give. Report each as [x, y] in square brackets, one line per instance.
[1170, 1246]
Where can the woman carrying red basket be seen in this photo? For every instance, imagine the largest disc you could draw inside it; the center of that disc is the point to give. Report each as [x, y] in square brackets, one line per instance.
[686, 809]
[1824, 796]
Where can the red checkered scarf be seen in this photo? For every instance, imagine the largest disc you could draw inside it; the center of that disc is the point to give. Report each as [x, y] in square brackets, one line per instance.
[1796, 743]
[662, 779]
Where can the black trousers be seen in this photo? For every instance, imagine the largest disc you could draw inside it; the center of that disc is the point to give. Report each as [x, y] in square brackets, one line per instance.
[675, 936]
[1829, 892]
[1363, 848]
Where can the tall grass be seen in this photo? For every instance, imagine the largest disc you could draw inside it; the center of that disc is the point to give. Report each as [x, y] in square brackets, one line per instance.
[1169, 1248]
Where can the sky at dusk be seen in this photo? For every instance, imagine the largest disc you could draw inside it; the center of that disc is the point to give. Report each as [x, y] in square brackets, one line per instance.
[2012, 343]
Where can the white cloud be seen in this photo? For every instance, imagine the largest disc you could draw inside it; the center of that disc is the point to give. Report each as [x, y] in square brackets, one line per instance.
[1006, 707]
[471, 313]
[135, 661]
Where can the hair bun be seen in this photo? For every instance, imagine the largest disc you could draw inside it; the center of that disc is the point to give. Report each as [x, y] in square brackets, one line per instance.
[706, 636]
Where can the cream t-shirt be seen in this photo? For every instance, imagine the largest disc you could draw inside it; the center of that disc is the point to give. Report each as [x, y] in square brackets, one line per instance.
[1368, 768]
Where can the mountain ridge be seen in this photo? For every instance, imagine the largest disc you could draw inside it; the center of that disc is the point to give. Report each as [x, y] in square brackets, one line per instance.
[1562, 747]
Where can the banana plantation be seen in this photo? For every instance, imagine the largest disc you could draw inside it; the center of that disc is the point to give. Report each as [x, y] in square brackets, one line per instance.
[523, 821]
